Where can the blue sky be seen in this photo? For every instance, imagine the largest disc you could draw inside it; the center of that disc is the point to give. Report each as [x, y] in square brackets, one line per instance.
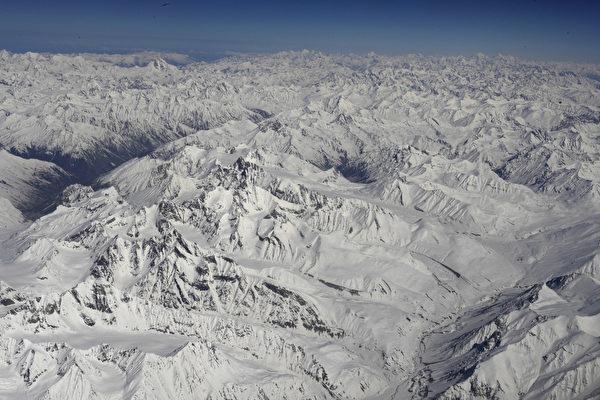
[530, 29]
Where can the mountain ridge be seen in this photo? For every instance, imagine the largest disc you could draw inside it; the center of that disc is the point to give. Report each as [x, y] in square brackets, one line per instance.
[301, 225]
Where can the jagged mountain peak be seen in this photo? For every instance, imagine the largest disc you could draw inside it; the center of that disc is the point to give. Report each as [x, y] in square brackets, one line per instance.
[298, 225]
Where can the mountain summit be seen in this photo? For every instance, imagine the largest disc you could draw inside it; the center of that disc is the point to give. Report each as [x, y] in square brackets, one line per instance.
[300, 226]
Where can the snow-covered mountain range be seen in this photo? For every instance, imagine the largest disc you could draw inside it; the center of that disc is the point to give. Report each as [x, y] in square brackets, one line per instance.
[299, 226]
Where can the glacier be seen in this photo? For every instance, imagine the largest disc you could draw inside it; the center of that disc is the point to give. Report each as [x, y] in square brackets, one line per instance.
[298, 226]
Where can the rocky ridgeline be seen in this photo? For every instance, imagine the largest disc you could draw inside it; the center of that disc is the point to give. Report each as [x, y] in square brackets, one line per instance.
[298, 226]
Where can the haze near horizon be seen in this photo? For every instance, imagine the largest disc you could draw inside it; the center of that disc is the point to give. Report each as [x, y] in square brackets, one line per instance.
[533, 30]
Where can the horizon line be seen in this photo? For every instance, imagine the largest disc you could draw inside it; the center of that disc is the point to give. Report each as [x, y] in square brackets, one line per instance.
[213, 56]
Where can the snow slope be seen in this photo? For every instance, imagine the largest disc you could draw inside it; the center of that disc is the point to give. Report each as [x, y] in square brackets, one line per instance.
[31, 185]
[301, 226]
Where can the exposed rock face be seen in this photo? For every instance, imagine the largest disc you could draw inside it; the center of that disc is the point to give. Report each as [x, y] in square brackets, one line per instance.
[299, 226]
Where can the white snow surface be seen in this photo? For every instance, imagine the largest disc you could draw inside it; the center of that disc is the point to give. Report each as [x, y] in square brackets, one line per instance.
[28, 183]
[299, 226]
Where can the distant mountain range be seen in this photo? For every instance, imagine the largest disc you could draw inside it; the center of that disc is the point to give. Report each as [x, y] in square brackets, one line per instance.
[300, 226]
